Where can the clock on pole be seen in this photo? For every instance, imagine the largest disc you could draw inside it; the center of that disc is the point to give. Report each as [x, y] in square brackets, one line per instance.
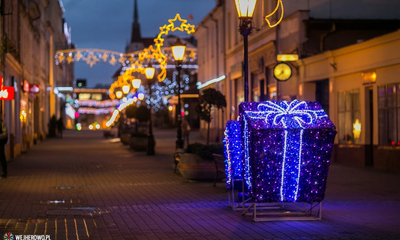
[282, 71]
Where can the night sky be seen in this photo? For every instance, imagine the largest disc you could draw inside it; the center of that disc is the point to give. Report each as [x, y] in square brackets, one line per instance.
[105, 24]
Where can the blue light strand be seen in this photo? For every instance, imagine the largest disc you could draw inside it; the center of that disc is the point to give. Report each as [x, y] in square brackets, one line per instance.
[233, 152]
[291, 164]
[283, 168]
[286, 113]
[246, 165]
[228, 160]
[299, 166]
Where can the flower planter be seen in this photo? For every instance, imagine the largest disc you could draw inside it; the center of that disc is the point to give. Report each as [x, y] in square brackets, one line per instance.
[192, 167]
[139, 143]
[125, 137]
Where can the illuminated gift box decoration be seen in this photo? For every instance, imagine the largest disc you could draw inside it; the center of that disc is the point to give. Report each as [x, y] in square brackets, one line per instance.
[287, 150]
[233, 153]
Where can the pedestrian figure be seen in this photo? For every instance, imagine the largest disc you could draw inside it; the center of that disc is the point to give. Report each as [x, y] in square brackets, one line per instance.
[185, 131]
[60, 127]
[3, 141]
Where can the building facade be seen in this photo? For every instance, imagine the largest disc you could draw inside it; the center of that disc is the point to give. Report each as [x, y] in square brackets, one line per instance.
[364, 99]
[309, 28]
[31, 32]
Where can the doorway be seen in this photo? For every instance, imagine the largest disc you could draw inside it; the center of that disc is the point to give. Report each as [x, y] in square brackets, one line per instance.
[369, 134]
[322, 94]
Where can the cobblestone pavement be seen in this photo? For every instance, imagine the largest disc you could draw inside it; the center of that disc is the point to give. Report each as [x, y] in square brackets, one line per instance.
[87, 187]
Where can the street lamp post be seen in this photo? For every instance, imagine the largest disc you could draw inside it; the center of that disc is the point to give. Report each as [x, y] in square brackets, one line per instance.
[150, 141]
[178, 51]
[245, 9]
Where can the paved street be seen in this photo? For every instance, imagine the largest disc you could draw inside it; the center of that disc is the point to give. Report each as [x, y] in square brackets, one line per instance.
[87, 187]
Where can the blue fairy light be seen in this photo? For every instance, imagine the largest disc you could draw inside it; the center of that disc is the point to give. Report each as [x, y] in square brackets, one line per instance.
[233, 152]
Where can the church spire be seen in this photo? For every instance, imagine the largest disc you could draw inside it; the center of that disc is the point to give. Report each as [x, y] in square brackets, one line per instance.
[135, 13]
[136, 36]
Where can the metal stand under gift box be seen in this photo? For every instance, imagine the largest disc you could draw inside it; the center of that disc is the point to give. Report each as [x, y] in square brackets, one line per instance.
[239, 197]
[286, 151]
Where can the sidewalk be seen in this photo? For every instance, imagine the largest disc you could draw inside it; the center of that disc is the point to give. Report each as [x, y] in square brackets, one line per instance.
[87, 187]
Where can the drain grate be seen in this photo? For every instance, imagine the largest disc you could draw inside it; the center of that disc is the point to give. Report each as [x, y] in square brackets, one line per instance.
[76, 211]
[64, 202]
[53, 201]
[64, 212]
[31, 221]
[84, 208]
[68, 187]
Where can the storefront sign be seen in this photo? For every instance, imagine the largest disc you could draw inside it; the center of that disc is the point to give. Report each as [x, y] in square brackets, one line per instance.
[7, 93]
[30, 88]
[25, 86]
[287, 57]
[34, 88]
[368, 78]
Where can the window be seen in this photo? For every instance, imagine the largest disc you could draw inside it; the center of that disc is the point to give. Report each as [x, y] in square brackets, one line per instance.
[349, 129]
[236, 33]
[229, 30]
[254, 87]
[239, 91]
[389, 114]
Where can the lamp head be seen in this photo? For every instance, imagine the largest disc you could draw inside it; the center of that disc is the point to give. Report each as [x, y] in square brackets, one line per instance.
[118, 94]
[136, 83]
[245, 8]
[178, 50]
[140, 96]
[149, 71]
[125, 89]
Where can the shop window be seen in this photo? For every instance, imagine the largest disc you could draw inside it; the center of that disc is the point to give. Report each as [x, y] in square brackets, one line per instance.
[349, 127]
[239, 91]
[254, 86]
[389, 114]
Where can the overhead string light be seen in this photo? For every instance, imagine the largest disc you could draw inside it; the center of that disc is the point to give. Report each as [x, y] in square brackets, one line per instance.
[118, 110]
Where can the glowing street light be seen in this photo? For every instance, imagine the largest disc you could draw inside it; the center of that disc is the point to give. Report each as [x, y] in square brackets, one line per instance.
[245, 9]
[140, 96]
[125, 89]
[136, 83]
[149, 71]
[178, 51]
[119, 94]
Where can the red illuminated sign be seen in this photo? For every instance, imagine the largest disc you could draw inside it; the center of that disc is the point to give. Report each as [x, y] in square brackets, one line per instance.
[30, 88]
[34, 88]
[6, 93]
[25, 86]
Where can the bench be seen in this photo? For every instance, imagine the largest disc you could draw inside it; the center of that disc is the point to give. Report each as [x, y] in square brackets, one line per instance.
[177, 157]
[219, 161]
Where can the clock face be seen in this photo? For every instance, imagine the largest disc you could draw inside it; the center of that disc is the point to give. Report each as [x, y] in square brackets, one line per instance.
[282, 71]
